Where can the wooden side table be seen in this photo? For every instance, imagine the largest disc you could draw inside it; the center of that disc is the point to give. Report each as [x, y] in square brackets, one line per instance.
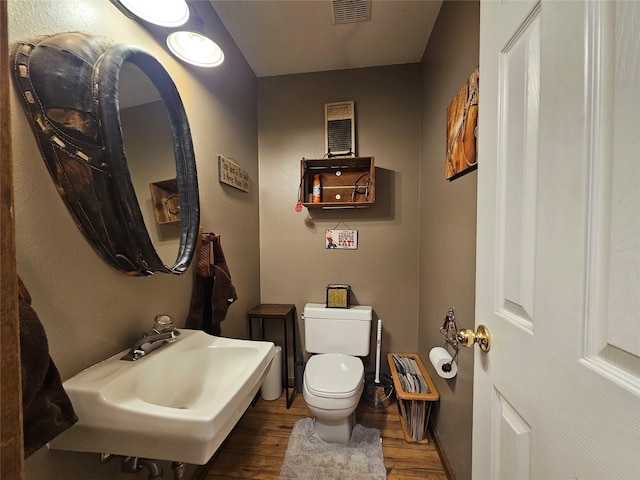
[283, 312]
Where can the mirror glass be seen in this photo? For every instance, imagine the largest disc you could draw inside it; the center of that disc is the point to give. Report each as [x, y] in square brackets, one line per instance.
[148, 145]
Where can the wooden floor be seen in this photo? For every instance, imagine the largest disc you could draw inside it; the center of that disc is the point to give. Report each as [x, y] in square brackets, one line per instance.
[257, 445]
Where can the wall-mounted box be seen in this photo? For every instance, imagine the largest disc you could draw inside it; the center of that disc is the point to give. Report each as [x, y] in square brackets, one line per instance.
[166, 201]
[346, 182]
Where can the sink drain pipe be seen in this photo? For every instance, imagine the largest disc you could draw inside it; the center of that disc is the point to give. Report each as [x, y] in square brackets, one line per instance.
[135, 464]
[179, 469]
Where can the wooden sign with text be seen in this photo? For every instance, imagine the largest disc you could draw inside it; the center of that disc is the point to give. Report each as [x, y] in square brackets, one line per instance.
[232, 174]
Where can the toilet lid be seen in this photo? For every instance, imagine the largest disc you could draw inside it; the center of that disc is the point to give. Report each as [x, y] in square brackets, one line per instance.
[333, 375]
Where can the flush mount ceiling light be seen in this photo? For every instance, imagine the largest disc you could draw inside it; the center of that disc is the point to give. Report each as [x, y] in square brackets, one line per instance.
[192, 46]
[166, 13]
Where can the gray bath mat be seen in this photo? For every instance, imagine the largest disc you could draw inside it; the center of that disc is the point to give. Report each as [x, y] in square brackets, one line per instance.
[310, 458]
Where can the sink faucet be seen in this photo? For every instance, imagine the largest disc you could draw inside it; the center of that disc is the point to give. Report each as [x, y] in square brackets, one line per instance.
[149, 343]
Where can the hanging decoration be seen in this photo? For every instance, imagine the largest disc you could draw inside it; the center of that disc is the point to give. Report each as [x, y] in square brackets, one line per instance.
[232, 174]
[462, 121]
[341, 239]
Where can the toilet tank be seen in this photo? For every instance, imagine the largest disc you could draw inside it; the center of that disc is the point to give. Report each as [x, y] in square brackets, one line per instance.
[337, 330]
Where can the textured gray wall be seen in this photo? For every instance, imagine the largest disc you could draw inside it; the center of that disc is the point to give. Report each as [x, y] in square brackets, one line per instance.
[90, 310]
[448, 225]
[383, 271]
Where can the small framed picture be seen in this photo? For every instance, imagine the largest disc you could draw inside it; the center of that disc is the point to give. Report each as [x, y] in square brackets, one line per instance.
[341, 239]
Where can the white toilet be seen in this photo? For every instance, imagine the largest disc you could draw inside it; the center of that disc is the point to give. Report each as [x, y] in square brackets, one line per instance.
[334, 375]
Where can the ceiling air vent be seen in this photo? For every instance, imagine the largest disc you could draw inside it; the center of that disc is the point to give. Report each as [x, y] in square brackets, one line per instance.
[349, 11]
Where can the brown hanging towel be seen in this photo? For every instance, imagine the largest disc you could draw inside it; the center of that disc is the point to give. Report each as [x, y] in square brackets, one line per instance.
[46, 408]
[213, 291]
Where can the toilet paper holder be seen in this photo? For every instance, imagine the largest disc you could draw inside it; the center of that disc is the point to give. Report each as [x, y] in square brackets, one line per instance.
[450, 331]
[465, 337]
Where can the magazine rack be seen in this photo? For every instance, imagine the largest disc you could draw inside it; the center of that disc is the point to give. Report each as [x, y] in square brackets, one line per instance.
[414, 407]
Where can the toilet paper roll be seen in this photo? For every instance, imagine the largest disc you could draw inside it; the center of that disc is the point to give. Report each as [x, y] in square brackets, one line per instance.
[439, 357]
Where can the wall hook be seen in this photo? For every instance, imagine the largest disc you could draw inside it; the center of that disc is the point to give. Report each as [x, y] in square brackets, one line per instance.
[449, 328]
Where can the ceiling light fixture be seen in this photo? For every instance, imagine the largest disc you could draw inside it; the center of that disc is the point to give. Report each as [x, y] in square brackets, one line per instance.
[165, 13]
[192, 46]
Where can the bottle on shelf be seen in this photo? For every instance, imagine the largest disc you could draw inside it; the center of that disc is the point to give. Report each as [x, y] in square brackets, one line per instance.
[316, 190]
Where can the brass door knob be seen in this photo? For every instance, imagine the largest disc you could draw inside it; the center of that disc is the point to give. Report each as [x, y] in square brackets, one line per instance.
[467, 337]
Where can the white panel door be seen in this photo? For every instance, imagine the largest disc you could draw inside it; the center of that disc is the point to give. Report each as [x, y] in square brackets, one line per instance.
[558, 246]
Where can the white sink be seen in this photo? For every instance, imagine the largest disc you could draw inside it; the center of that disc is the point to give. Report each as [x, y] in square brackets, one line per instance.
[178, 403]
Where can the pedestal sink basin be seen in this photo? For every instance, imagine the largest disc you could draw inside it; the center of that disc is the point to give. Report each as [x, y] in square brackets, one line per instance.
[178, 403]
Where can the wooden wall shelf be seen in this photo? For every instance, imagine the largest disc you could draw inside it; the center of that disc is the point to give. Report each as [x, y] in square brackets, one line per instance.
[166, 202]
[347, 182]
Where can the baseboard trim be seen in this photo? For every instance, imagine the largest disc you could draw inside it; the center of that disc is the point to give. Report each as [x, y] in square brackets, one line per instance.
[443, 456]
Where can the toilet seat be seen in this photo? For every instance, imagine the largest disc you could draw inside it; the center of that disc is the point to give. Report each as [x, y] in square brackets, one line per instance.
[334, 375]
